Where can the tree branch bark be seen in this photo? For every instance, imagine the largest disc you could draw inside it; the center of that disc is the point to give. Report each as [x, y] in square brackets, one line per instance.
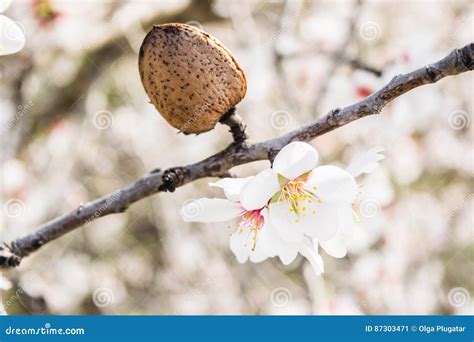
[458, 61]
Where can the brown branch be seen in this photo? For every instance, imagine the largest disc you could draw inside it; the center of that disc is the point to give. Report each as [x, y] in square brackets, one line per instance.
[458, 61]
[236, 126]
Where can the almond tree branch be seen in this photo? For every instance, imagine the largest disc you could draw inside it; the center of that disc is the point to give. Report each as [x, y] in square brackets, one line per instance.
[458, 61]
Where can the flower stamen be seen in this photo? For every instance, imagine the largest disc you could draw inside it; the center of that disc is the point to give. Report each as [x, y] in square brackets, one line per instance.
[251, 221]
[298, 197]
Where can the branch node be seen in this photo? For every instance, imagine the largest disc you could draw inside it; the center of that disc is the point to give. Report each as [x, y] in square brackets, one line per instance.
[272, 152]
[431, 73]
[466, 56]
[236, 125]
[8, 259]
[172, 178]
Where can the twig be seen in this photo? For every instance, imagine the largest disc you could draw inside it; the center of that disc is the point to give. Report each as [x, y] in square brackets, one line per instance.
[236, 125]
[458, 61]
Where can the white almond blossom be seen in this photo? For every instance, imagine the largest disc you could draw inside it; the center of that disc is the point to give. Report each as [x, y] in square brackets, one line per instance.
[305, 200]
[253, 238]
[292, 208]
[366, 163]
[12, 38]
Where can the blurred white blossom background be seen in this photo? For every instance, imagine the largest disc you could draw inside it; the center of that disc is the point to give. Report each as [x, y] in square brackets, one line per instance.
[76, 124]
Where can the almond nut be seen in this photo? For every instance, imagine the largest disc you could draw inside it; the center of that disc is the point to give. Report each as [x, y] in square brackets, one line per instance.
[189, 76]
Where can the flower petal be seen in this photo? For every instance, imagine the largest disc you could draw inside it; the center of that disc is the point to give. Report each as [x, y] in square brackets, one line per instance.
[4, 4]
[331, 183]
[367, 162]
[12, 38]
[335, 247]
[347, 221]
[258, 191]
[237, 243]
[210, 210]
[285, 222]
[257, 255]
[242, 243]
[273, 245]
[319, 220]
[232, 187]
[295, 159]
[310, 252]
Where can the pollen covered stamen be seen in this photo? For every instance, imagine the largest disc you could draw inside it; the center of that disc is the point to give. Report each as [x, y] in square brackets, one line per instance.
[299, 198]
[251, 222]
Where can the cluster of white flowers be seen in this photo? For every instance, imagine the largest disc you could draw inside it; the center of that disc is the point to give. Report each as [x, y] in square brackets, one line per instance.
[12, 38]
[293, 207]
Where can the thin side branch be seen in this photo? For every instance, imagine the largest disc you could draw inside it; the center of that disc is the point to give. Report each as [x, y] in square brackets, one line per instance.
[236, 125]
[458, 61]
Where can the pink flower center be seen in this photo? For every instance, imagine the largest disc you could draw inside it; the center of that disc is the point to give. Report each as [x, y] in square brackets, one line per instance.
[251, 222]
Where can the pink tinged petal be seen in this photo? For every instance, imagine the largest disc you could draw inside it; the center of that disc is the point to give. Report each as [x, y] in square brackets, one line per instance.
[210, 210]
[367, 162]
[4, 5]
[310, 252]
[295, 159]
[256, 193]
[12, 38]
[331, 183]
[232, 187]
